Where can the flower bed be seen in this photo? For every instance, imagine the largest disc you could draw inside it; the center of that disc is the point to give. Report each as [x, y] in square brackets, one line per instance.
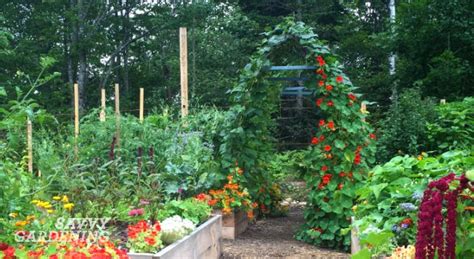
[204, 242]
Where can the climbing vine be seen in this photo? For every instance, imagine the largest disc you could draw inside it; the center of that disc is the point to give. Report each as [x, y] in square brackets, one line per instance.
[340, 151]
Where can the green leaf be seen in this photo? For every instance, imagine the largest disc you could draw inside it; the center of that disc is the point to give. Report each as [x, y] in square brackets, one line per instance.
[376, 189]
[362, 254]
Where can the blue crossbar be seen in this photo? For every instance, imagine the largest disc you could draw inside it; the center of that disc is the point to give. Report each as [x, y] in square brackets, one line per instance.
[280, 68]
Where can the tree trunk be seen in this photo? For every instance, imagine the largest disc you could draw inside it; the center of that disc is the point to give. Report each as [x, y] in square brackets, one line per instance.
[82, 61]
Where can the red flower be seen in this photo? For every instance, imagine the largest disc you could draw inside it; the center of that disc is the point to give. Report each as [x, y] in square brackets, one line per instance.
[54, 256]
[407, 221]
[201, 196]
[157, 226]
[357, 158]
[329, 88]
[320, 186]
[9, 252]
[321, 83]
[340, 186]
[339, 79]
[327, 178]
[372, 136]
[331, 125]
[324, 168]
[320, 61]
[319, 71]
[321, 138]
[314, 140]
[352, 97]
[321, 123]
[319, 101]
[150, 240]
[324, 76]
[330, 103]
[342, 174]
[327, 148]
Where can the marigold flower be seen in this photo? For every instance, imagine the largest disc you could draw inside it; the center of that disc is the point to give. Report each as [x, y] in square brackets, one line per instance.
[314, 140]
[65, 199]
[372, 136]
[50, 211]
[339, 79]
[340, 186]
[321, 138]
[329, 88]
[321, 83]
[56, 198]
[240, 170]
[352, 96]
[321, 123]
[324, 168]
[342, 174]
[226, 210]
[330, 103]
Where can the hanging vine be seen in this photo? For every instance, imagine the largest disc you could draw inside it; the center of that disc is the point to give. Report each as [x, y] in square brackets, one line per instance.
[340, 151]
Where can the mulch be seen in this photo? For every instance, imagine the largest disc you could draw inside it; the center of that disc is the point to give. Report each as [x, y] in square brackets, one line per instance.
[274, 238]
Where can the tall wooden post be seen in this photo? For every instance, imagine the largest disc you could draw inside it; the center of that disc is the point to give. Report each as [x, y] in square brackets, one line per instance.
[29, 140]
[117, 114]
[76, 117]
[183, 58]
[102, 105]
[142, 105]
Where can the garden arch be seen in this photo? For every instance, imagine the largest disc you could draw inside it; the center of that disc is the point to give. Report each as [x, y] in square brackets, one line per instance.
[339, 155]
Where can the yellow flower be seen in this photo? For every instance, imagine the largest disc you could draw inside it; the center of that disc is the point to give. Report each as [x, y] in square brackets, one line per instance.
[68, 206]
[30, 217]
[13, 214]
[471, 221]
[420, 157]
[35, 201]
[65, 199]
[56, 198]
[50, 211]
[21, 223]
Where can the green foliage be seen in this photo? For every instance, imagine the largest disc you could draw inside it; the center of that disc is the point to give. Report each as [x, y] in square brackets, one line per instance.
[251, 141]
[393, 191]
[454, 127]
[403, 131]
[191, 208]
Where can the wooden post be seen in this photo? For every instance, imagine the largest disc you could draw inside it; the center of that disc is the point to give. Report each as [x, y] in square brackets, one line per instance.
[29, 140]
[117, 114]
[76, 117]
[183, 58]
[102, 102]
[142, 96]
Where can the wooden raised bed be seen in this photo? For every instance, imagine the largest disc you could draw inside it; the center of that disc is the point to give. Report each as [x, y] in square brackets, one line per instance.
[233, 224]
[204, 242]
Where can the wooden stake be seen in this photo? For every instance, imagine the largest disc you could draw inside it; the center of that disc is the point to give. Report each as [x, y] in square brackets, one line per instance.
[117, 114]
[102, 101]
[142, 105]
[76, 117]
[29, 140]
[183, 58]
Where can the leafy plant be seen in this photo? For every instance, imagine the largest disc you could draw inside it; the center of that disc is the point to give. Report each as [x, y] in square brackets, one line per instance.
[403, 131]
[193, 209]
[454, 127]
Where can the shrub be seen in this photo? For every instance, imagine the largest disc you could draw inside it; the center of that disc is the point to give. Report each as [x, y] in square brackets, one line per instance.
[403, 131]
[454, 128]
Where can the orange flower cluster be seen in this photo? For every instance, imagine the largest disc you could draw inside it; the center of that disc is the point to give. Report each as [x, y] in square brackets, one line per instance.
[146, 234]
[231, 196]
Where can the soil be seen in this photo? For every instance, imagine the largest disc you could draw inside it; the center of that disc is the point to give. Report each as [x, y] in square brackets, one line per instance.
[274, 238]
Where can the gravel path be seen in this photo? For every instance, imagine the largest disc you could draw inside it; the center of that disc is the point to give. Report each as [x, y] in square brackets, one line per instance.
[273, 238]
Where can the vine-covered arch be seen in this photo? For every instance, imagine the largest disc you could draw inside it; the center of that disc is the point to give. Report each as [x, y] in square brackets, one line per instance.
[339, 154]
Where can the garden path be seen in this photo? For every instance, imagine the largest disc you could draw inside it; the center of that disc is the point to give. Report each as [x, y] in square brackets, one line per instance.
[273, 238]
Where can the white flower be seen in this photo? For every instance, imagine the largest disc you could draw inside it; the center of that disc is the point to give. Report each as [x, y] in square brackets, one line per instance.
[175, 228]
